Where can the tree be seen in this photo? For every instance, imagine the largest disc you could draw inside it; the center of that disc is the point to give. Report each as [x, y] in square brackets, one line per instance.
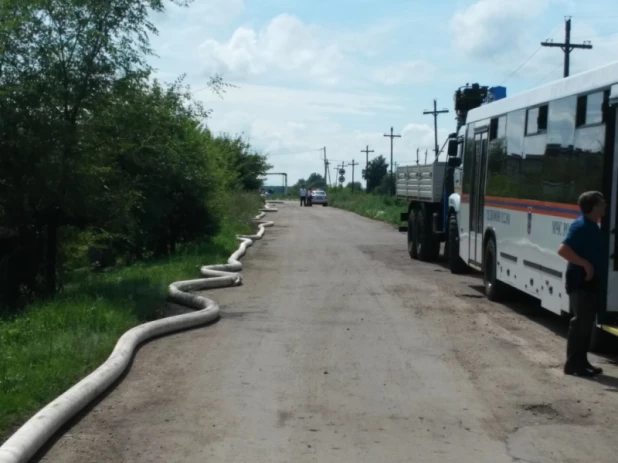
[386, 186]
[93, 151]
[315, 180]
[246, 168]
[375, 172]
[61, 58]
[357, 186]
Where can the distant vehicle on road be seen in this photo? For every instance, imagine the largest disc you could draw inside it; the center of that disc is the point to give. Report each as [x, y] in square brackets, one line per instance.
[320, 197]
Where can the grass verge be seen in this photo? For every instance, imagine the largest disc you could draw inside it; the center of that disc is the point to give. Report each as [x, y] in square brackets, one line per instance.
[383, 208]
[52, 345]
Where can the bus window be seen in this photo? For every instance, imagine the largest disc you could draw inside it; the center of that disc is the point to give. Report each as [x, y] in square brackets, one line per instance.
[515, 125]
[502, 127]
[587, 165]
[558, 176]
[561, 125]
[594, 108]
[515, 132]
[493, 129]
[590, 109]
[536, 120]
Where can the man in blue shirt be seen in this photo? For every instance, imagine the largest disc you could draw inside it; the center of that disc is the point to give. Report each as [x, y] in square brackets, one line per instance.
[584, 249]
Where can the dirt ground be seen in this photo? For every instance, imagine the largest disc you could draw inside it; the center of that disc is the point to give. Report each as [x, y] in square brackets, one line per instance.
[340, 348]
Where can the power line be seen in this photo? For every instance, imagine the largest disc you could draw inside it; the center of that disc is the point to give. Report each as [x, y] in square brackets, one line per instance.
[529, 58]
[554, 69]
[521, 65]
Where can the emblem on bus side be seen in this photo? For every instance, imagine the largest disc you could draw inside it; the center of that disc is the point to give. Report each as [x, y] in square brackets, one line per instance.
[529, 220]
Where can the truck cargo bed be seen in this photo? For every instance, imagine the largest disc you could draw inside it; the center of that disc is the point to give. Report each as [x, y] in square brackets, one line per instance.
[421, 183]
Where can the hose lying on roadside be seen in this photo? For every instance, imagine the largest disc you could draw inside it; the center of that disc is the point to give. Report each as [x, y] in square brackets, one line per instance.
[28, 439]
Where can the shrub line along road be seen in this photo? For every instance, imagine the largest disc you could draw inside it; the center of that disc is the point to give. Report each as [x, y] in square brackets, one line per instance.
[340, 348]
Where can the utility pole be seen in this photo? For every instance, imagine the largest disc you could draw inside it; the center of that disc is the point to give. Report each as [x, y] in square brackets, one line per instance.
[391, 136]
[435, 113]
[353, 164]
[367, 151]
[325, 167]
[567, 46]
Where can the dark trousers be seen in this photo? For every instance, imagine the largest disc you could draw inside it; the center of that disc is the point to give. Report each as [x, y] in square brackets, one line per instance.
[309, 201]
[584, 307]
[303, 201]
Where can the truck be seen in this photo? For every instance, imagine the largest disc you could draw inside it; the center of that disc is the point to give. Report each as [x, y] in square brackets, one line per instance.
[505, 193]
[427, 188]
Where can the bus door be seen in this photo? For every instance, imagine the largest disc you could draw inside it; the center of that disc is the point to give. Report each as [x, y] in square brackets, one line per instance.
[612, 143]
[477, 195]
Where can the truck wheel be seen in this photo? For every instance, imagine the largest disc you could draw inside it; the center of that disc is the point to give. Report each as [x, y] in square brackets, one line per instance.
[494, 289]
[412, 240]
[428, 247]
[456, 263]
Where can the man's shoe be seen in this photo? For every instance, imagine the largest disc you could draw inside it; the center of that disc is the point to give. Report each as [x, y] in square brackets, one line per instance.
[583, 372]
[595, 370]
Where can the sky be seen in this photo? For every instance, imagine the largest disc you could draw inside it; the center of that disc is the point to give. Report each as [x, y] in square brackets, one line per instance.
[338, 74]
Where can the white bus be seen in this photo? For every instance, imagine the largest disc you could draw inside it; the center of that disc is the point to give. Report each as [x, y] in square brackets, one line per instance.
[525, 161]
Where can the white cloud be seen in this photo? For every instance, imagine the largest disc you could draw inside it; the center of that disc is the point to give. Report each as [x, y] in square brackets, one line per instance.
[489, 28]
[421, 137]
[405, 72]
[282, 121]
[285, 44]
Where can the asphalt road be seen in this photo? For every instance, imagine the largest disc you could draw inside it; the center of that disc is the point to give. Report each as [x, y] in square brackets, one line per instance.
[339, 348]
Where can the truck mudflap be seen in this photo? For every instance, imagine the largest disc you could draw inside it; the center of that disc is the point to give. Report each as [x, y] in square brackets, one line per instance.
[404, 216]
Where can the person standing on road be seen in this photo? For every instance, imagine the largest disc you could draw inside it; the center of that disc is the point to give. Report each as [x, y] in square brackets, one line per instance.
[584, 249]
[303, 196]
[310, 197]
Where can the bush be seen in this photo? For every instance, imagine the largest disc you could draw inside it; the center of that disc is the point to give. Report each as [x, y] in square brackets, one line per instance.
[377, 207]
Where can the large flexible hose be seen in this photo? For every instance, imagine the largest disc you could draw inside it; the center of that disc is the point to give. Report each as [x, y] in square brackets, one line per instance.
[28, 439]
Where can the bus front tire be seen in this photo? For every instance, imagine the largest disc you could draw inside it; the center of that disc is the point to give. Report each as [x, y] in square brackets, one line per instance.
[495, 290]
[428, 247]
[455, 262]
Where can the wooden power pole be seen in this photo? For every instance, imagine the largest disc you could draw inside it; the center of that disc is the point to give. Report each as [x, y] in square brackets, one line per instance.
[435, 114]
[367, 151]
[353, 164]
[391, 136]
[567, 46]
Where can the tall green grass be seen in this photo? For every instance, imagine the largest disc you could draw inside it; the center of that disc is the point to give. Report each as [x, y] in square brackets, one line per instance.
[53, 344]
[383, 208]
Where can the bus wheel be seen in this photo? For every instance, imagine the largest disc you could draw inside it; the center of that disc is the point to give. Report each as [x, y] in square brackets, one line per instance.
[456, 263]
[494, 289]
[428, 247]
[412, 234]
